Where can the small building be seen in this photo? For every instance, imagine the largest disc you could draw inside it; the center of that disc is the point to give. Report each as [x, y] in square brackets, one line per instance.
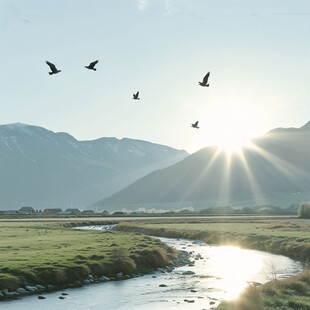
[11, 212]
[54, 211]
[88, 212]
[26, 210]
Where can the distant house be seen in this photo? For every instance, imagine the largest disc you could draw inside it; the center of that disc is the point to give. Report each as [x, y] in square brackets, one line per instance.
[26, 210]
[73, 211]
[52, 211]
[11, 212]
[88, 212]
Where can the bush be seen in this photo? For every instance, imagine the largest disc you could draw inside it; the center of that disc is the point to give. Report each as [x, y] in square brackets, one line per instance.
[304, 210]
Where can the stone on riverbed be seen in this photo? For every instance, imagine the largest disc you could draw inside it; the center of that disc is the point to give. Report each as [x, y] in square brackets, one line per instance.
[51, 287]
[31, 289]
[104, 278]
[163, 285]
[22, 291]
[188, 273]
[86, 281]
[12, 294]
[119, 275]
[40, 287]
[41, 297]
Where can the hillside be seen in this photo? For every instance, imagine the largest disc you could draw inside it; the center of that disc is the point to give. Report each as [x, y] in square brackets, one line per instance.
[46, 169]
[275, 166]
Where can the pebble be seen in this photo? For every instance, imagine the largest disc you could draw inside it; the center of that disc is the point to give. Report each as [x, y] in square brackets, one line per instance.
[187, 273]
[40, 287]
[41, 297]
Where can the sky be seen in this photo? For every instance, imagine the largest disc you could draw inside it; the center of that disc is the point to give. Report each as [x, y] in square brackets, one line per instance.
[258, 53]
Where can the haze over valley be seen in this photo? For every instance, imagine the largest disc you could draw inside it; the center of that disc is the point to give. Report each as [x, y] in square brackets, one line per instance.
[44, 169]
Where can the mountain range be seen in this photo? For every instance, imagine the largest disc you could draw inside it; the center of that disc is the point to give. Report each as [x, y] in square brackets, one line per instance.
[274, 169]
[44, 169]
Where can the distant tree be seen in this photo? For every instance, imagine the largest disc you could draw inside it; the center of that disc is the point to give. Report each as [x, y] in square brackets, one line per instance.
[304, 210]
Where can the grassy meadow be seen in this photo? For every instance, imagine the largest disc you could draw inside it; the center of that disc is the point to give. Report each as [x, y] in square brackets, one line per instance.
[50, 253]
[289, 238]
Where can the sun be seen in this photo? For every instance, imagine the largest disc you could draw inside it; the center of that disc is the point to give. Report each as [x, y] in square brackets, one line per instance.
[234, 143]
[230, 123]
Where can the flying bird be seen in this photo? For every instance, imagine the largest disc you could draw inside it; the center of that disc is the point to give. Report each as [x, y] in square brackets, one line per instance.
[205, 80]
[53, 68]
[195, 125]
[136, 96]
[91, 66]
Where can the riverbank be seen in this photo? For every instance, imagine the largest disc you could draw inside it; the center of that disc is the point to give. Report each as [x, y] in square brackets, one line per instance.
[48, 256]
[289, 294]
[282, 237]
[278, 237]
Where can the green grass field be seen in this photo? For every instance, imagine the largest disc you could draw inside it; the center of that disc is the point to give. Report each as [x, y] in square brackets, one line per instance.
[49, 253]
[280, 237]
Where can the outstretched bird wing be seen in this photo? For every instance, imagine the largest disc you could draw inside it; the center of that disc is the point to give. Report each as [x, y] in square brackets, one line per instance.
[92, 64]
[196, 124]
[52, 66]
[137, 94]
[205, 79]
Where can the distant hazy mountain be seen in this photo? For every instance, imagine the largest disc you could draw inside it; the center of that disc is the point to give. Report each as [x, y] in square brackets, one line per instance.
[276, 170]
[44, 169]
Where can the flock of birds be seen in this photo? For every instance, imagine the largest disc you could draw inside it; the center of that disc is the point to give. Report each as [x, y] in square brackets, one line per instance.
[92, 65]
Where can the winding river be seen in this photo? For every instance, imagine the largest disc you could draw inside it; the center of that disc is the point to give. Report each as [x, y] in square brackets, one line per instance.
[217, 273]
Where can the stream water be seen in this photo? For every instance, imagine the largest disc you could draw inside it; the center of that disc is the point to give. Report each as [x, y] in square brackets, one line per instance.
[218, 272]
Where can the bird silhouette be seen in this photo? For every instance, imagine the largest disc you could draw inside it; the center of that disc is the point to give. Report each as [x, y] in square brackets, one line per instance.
[136, 96]
[91, 66]
[53, 68]
[195, 125]
[205, 80]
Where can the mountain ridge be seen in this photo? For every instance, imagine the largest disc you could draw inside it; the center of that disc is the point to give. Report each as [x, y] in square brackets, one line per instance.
[42, 168]
[277, 164]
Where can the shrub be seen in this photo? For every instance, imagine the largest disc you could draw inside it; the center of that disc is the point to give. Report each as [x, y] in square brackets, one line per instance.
[9, 282]
[304, 210]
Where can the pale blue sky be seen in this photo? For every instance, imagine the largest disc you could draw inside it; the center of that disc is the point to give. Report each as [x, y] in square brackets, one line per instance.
[258, 53]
